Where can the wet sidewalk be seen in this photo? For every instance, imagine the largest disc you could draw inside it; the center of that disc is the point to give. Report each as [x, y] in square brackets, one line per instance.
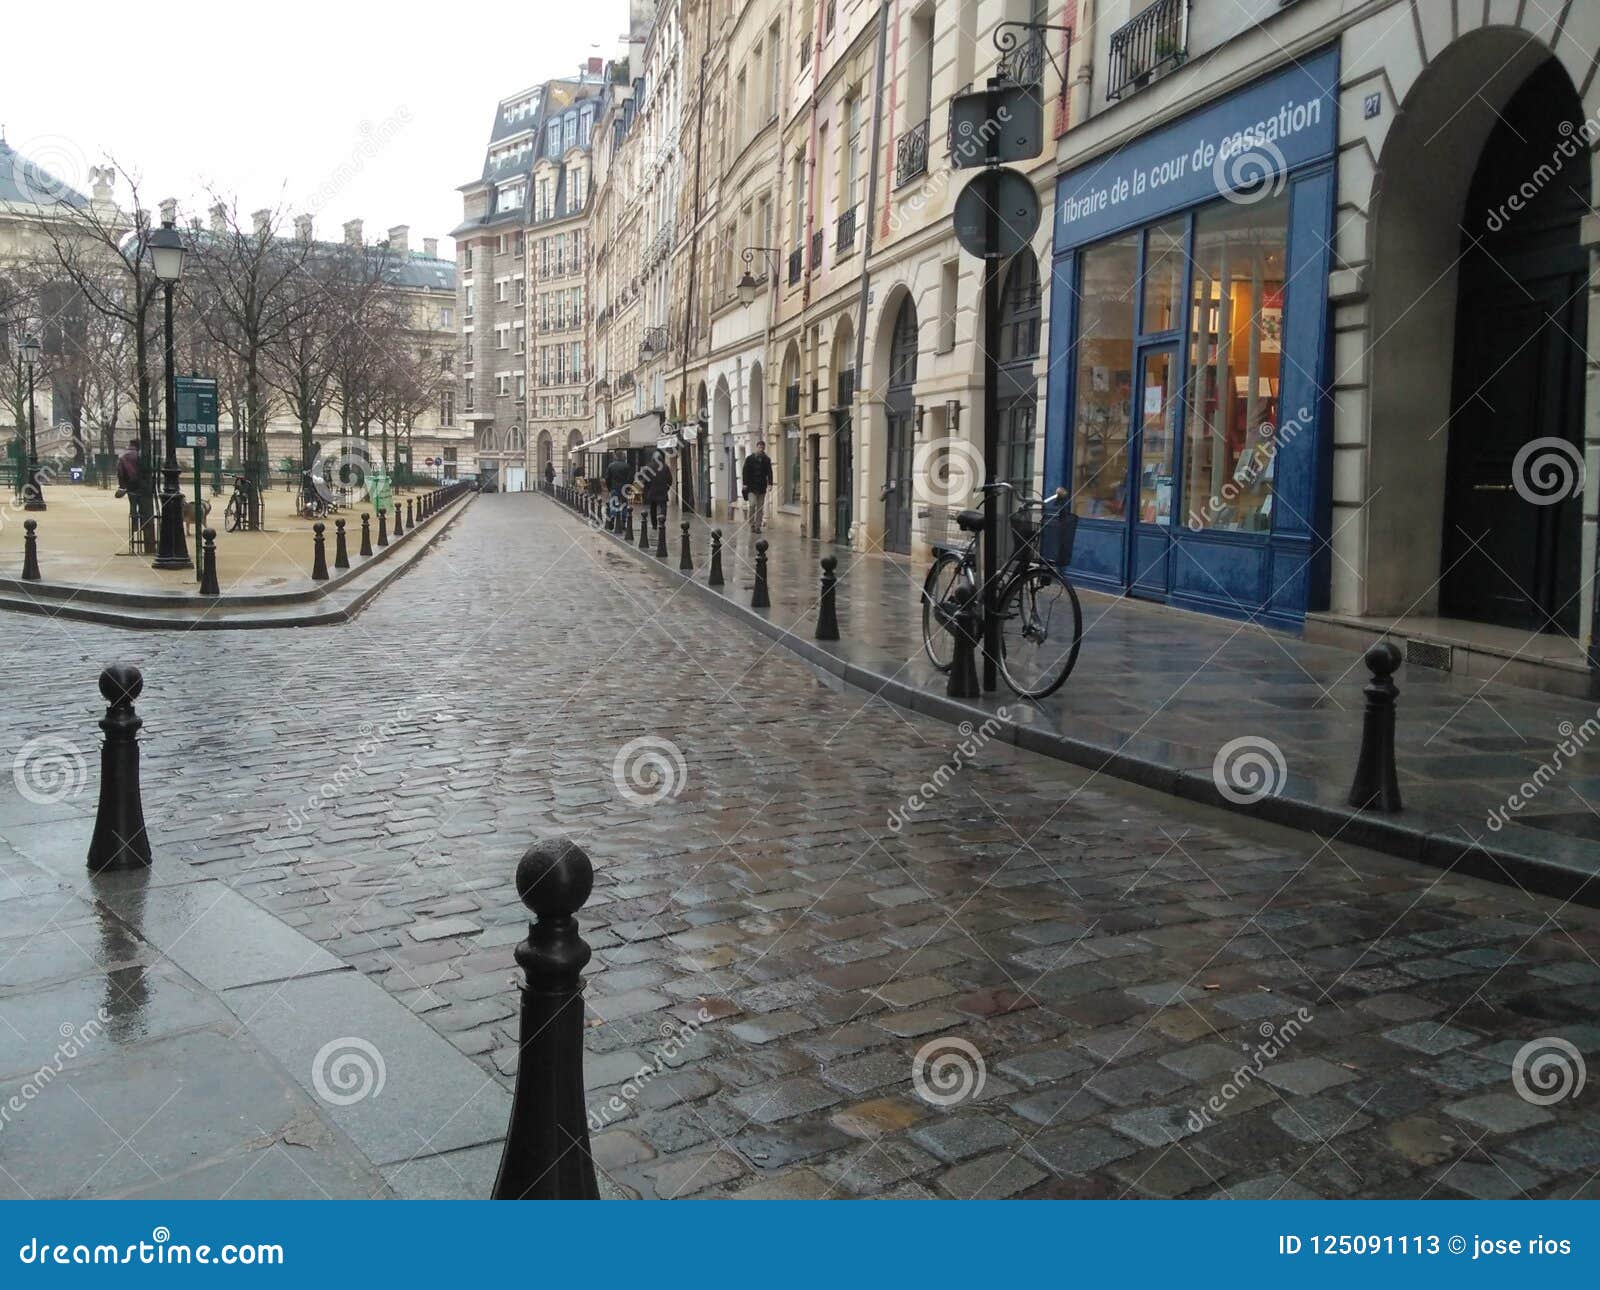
[1496, 780]
[163, 1036]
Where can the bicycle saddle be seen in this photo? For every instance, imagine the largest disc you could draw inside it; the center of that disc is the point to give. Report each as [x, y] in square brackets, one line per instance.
[969, 521]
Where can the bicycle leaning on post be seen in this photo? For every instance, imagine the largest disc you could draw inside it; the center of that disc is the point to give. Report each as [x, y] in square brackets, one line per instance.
[1041, 621]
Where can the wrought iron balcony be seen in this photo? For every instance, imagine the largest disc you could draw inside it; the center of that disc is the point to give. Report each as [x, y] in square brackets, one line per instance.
[816, 250]
[797, 264]
[1157, 39]
[1022, 59]
[791, 400]
[845, 241]
[911, 154]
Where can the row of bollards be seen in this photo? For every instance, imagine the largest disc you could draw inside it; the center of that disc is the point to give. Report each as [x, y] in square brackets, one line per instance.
[416, 511]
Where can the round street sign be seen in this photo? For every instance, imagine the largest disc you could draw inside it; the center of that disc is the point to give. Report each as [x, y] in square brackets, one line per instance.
[1010, 195]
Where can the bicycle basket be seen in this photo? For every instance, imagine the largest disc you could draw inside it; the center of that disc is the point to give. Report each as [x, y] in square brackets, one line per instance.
[1049, 528]
[939, 528]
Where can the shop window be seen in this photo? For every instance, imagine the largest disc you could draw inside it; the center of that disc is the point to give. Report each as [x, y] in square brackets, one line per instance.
[1232, 433]
[1104, 378]
[791, 472]
[1164, 262]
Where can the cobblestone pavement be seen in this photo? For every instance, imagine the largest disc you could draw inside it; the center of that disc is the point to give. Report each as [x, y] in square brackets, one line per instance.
[840, 950]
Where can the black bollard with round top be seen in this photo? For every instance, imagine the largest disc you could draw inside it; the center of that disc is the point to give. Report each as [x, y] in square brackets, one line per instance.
[119, 840]
[319, 553]
[209, 586]
[411, 522]
[962, 616]
[827, 615]
[644, 530]
[627, 515]
[759, 599]
[714, 578]
[30, 551]
[1377, 783]
[383, 528]
[661, 539]
[546, 1154]
[399, 522]
[685, 560]
[366, 534]
[341, 552]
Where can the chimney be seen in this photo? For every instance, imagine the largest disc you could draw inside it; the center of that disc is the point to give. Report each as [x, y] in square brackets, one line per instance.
[219, 218]
[262, 220]
[169, 211]
[302, 227]
[352, 232]
[430, 247]
[596, 66]
[400, 238]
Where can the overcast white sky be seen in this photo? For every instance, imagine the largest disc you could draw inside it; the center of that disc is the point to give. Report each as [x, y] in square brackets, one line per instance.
[376, 112]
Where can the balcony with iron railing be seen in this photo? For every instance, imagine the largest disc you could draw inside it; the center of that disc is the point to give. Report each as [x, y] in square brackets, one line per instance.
[797, 264]
[1156, 40]
[816, 250]
[791, 400]
[911, 154]
[844, 240]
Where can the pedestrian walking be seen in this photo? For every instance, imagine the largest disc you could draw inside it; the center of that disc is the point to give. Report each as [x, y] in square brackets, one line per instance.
[549, 474]
[131, 484]
[657, 478]
[756, 480]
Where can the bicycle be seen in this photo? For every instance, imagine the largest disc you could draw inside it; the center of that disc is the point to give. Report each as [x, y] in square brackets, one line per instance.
[1041, 621]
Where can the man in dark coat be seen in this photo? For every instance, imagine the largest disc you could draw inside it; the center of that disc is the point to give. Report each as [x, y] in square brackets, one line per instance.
[757, 479]
[657, 479]
[131, 484]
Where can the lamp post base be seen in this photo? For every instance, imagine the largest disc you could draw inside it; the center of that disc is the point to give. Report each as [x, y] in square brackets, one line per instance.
[173, 553]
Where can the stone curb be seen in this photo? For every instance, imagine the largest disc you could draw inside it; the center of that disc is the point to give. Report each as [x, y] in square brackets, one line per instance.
[1431, 841]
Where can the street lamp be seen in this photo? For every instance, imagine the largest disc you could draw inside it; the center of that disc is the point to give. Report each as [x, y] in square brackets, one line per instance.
[34, 491]
[166, 258]
[749, 285]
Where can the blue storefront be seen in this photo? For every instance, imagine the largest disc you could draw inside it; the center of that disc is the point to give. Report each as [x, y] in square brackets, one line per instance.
[1189, 350]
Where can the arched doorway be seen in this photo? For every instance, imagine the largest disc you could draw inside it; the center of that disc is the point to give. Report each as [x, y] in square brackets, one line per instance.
[516, 461]
[487, 447]
[900, 410]
[843, 448]
[574, 441]
[722, 433]
[1512, 555]
[546, 453]
[1476, 327]
[1017, 397]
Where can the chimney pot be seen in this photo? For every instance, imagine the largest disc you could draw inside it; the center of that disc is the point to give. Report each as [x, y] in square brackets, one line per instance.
[169, 210]
[302, 227]
[219, 218]
[262, 221]
[430, 247]
[352, 232]
[400, 239]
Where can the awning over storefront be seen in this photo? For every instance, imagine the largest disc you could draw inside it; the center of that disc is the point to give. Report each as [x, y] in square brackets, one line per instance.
[641, 432]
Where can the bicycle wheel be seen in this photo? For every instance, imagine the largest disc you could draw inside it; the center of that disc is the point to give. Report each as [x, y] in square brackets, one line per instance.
[1041, 630]
[947, 574]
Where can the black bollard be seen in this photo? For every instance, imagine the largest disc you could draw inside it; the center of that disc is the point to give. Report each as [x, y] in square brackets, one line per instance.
[963, 617]
[209, 586]
[30, 550]
[399, 523]
[685, 561]
[714, 578]
[628, 530]
[341, 553]
[319, 554]
[827, 617]
[366, 534]
[1377, 784]
[546, 1155]
[759, 599]
[411, 523]
[119, 840]
[661, 539]
[383, 528]
[644, 531]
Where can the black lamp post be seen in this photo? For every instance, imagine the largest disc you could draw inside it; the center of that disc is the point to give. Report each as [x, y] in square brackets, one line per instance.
[166, 257]
[34, 490]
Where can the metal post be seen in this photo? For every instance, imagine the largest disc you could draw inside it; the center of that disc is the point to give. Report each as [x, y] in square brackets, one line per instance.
[34, 489]
[759, 599]
[366, 534]
[173, 551]
[685, 561]
[827, 617]
[208, 582]
[383, 528]
[965, 621]
[199, 520]
[714, 579]
[119, 840]
[1377, 784]
[644, 531]
[341, 553]
[991, 456]
[399, 523]
[319, 554]
[30, 551]
[546, 1154]
[661, 539]
[411, 523]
